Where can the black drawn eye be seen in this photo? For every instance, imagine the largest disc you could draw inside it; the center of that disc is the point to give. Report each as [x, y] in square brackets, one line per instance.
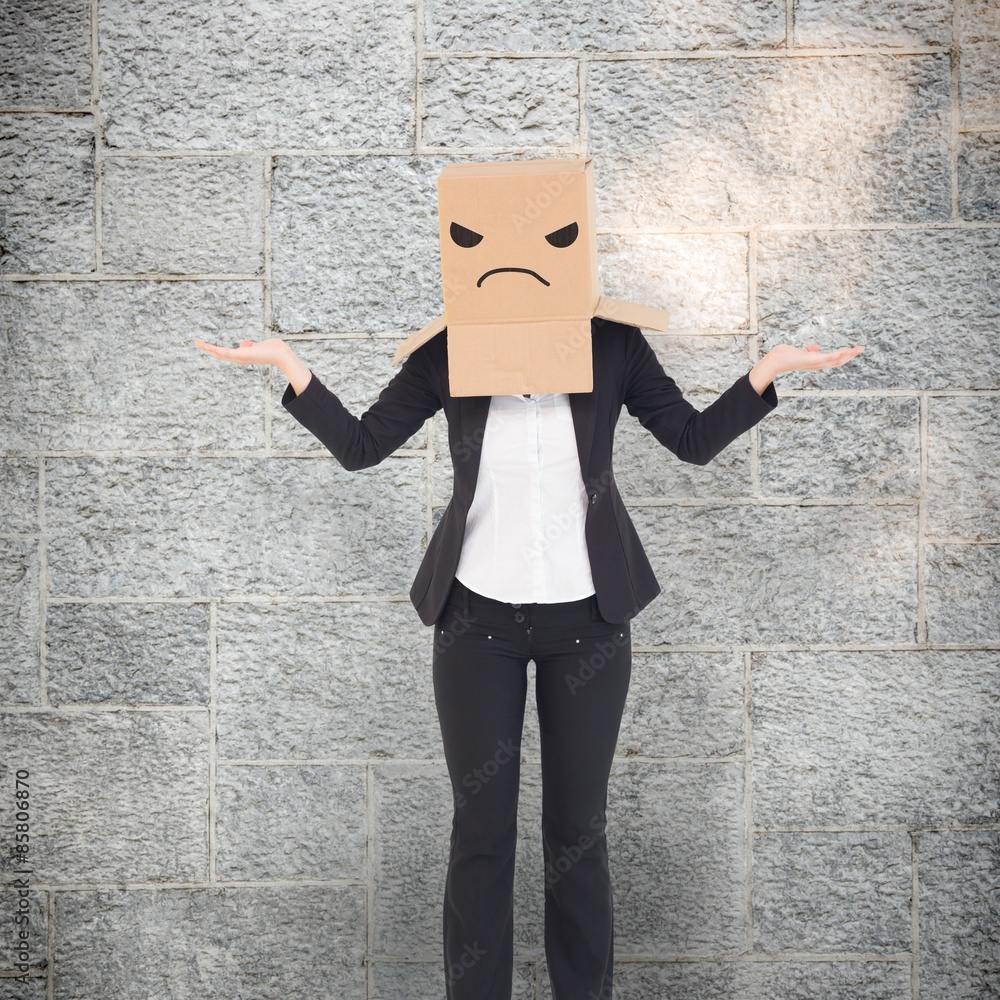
[564, 237]
[464, 237]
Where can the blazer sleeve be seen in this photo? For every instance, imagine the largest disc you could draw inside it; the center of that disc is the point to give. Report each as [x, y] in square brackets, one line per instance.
[403, 405]
[693, 435]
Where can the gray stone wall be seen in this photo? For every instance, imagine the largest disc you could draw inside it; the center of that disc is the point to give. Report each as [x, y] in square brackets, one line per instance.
[211, 673]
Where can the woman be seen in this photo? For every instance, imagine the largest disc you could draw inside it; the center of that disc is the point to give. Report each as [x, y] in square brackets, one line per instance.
[534, 559]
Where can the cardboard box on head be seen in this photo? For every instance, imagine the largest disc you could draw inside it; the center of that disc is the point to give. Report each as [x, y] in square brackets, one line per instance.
[519, 267]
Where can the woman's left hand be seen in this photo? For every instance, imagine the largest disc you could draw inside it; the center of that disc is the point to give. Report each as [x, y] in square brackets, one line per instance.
[785, 358]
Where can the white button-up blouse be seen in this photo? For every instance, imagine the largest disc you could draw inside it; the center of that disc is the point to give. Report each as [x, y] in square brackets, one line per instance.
[524, 536]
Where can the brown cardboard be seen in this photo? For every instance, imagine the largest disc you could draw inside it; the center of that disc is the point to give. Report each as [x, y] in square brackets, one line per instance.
[519, 263]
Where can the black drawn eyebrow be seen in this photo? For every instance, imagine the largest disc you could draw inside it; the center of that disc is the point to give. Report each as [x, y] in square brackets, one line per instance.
[465, 237]
[564, 237]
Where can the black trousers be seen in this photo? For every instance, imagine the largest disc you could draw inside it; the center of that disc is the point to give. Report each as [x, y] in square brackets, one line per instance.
[582, 671]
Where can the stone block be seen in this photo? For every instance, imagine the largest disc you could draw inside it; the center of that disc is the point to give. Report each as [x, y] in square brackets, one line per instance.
[114, 796]
[355, 370]
[832, 892]
[46, 53]
[742, 142]
[677, 854]
[47, 165]
[762, 980]
[185, 215]
[859, 447]
[700, 279]
[500, 102]
[111, 365]
[979, 69]
[36, 988]
[131, 654]
[426, 981]
[239, 75]
[925, 303]
[959, 914]
[963, 454]
[355, 244]
[684, 705]
[19, 621]
[185, 527]
[761, 573]
[963, 593]
[979, 177]
[213, 943]
[25, 910]
[291, 822]
[412, 810]
[875, 737]
[820, 24]
[18, 495]
[522, 26]
[317, 680]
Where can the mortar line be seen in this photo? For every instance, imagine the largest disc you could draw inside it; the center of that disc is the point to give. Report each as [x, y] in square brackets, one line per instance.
[95, 100]
[583, 126]
[754, 346]
[921, 567]
[429, 459]
[213, 718]
[268, 316]
[671, 55]
[50, 949]
[914, 915]
[43, 590]
[418, 74]
[369, 880]
[789, 24]
[748, 822]
[955, 94]
[863, 226]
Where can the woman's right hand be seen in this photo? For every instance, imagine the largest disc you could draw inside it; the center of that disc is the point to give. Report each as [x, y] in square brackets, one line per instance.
[250, 352]
[263, 352]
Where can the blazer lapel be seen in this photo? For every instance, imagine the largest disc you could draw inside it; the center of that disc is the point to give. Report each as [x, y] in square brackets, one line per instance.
[584, 408]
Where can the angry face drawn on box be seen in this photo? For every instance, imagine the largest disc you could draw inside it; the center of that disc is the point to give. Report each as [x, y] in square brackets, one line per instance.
[519, 268]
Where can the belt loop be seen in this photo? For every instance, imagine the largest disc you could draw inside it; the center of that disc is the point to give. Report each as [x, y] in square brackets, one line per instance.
[465, 599]
[595, 613]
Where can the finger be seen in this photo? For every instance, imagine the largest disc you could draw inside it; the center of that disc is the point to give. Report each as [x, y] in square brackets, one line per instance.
[812, 347]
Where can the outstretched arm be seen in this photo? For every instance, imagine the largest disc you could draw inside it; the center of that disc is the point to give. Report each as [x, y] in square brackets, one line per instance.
[697, 436]
[357, 443]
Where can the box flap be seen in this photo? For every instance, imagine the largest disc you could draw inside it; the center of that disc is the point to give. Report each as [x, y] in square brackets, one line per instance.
[631, 314]
[418, 339]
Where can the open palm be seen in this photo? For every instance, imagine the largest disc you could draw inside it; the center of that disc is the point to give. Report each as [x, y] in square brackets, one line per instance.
[250, 352]
[786, 358]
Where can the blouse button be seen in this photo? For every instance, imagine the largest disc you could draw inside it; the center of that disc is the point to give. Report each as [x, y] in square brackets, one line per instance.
[519, 616]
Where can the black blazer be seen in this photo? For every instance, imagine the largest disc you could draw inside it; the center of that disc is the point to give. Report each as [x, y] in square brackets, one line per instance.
[626, 372]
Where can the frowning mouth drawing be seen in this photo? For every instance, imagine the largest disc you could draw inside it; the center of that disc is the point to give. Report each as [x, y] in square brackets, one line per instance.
[521, 270]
